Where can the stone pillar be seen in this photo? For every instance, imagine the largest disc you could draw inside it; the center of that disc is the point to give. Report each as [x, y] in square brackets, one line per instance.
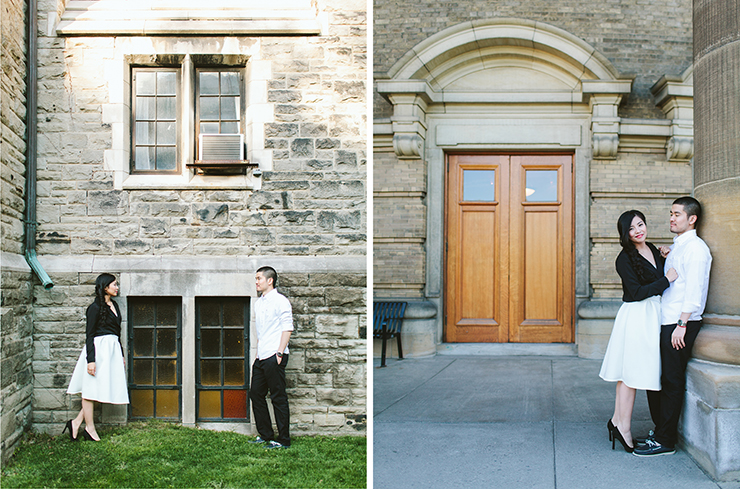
[711, 419]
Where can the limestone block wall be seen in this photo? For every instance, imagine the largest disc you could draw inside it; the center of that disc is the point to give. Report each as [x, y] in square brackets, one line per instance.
[13, 125]
[16, 343]
[308, 212]
[648, 39]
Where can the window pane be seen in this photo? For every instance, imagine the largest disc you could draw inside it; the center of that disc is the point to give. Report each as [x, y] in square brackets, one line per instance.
[143, 342]
[145, 133]
[542, 186]
[210, 313]
[168, 404]
[235, 404]
[210, 404]
[167, 315]
[166, 159]
[143, 372]
[209, 108]
[167, 342]
[479, 185]
[146, 82]
[209, 83]
[166, 83]
[166, 372]
[143, 315]
[166, 133]
[233, 313]
[210, 342]
[229, 108]
[229, 128]
[142, 403]
[233, 372]
[229, 83]
[233, 343]
[210, 372]
[145, 108]
[145, 158]
[166, 108]
[209, 127]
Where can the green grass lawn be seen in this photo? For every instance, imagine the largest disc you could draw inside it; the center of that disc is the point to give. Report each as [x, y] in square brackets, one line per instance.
[160, 454]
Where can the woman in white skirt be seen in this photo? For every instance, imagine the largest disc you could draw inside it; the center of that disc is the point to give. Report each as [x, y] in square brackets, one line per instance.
[632, 358]
[100, 373]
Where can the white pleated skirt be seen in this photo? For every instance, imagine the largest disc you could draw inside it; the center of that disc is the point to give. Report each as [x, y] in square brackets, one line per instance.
[633, 353]
[109, 383]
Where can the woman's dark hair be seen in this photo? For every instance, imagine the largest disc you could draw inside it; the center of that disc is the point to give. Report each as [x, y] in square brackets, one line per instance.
[623, 226]
[102, 283]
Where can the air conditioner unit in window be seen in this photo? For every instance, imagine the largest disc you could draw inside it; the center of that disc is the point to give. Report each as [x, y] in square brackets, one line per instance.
[221, 147]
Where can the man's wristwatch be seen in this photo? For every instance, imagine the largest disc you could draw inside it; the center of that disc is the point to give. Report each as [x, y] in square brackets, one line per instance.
[681, 324]
[280, 355]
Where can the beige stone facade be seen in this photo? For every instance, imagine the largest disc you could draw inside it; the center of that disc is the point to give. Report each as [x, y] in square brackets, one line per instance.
[503, 78]
[295, 201]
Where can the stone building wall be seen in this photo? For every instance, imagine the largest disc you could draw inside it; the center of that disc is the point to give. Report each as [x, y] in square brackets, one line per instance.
[309, 215]
[16, 343]
[399, 230]
[647, 39]
[642, 181]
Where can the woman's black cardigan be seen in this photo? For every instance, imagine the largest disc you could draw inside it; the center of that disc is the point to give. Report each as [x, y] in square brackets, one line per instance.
[635, 289]
[110, 324]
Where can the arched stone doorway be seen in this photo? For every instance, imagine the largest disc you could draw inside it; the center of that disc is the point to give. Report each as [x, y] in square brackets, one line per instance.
[507, 87]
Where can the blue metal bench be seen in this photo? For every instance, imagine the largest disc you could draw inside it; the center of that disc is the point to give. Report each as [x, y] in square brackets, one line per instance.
[387, 320]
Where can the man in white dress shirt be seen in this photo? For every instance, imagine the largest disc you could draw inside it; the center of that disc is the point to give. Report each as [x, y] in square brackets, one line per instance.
[681, 309]
[274, 324]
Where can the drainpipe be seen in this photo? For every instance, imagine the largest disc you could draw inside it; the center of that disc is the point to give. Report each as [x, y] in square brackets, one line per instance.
[31, 137]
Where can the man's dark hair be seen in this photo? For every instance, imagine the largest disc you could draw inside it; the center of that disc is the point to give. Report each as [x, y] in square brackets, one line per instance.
[269, 272]
[691, 207]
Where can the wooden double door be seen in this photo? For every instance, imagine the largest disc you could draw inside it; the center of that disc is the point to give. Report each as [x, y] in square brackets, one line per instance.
[509, 248]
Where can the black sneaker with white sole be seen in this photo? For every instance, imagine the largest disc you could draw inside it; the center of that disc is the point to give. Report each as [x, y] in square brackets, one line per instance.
[652, 448]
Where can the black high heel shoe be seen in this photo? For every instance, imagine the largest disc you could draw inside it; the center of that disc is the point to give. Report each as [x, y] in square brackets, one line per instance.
[87, 436]
[617, 435]
[610, 427]
[68, 426]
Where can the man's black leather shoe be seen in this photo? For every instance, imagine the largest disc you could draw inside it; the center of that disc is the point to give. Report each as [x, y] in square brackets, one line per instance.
[652, 448]
[641, 441]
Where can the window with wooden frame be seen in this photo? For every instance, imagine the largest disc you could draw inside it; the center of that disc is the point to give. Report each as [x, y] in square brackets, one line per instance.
[222, 364]
[219, 114]
[155, 357]
[155, 114]
[188, 116]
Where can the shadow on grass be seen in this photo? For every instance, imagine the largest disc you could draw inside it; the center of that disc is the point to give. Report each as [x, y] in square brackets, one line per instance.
[158, 454]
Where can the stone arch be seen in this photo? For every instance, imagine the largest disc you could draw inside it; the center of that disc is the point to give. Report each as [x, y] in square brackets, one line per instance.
[515, 44]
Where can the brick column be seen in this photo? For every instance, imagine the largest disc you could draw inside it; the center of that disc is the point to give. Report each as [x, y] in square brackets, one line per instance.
[711, 421]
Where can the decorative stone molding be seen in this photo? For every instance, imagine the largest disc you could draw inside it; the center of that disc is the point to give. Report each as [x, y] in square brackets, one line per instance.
[410, 99]
[675, 97]
[605, 96]
[680, 148]
[605, 145]
[407, 146]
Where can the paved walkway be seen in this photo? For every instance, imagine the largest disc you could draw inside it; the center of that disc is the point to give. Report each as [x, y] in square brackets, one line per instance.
[510, 422]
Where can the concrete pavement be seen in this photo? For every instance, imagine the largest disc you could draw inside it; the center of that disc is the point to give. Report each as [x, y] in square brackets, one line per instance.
[510, 422]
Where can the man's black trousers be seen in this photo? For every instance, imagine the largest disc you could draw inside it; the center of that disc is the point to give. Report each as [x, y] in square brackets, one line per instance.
[666, 404]
[268, 375]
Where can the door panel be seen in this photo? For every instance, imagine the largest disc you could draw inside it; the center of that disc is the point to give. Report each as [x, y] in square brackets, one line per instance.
[477, 304]
[509, 260]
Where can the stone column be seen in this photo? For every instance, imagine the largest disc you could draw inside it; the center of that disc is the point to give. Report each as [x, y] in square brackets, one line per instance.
[711, 419]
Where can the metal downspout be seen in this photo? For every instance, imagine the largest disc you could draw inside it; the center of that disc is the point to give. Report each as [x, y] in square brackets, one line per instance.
[31, 138]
